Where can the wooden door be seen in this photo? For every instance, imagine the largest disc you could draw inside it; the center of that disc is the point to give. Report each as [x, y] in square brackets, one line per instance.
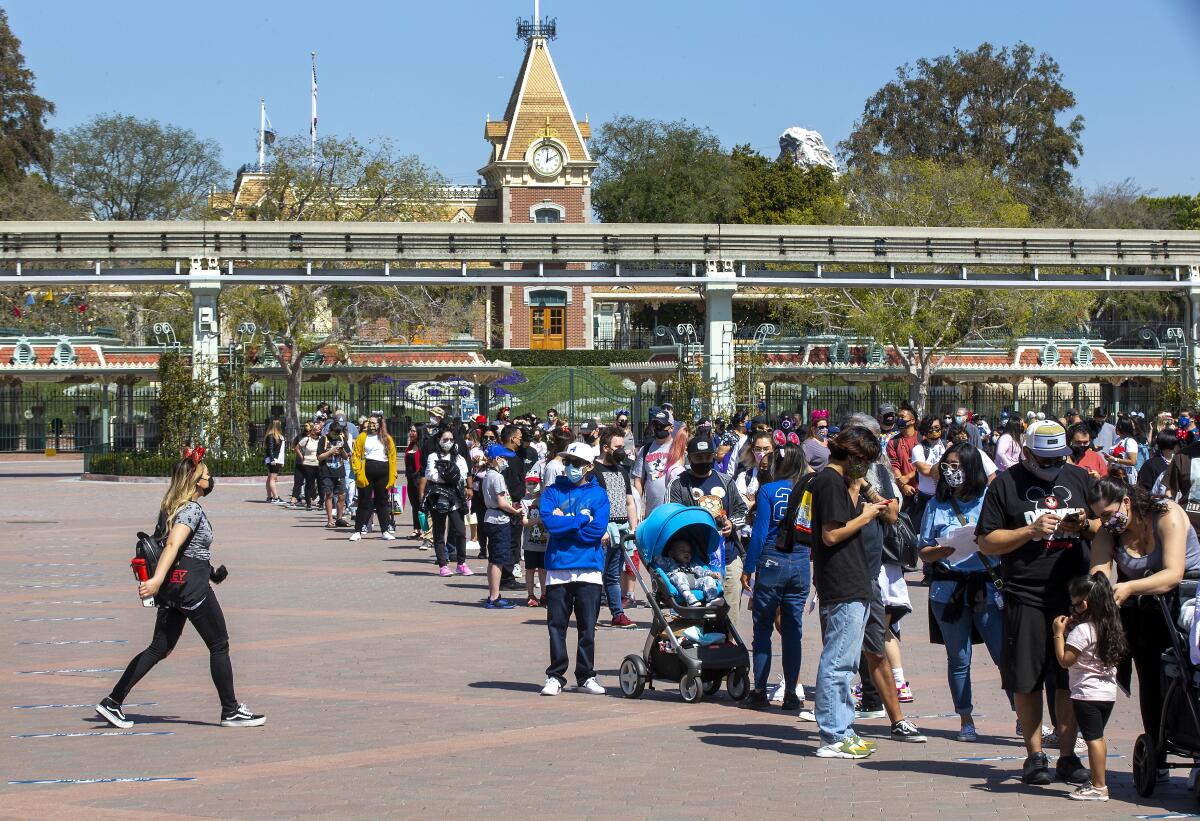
[547, 329]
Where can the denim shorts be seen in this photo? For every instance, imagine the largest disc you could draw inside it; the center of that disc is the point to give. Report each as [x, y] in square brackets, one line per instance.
[499, 546]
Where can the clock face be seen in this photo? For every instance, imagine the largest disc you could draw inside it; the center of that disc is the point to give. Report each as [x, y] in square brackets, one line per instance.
[547, 159]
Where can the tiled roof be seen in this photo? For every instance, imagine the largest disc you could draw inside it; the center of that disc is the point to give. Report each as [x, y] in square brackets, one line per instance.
[537, 95]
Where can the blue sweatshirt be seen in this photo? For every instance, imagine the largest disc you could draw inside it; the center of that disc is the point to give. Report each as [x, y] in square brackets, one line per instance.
[769, 508]
[574, 540]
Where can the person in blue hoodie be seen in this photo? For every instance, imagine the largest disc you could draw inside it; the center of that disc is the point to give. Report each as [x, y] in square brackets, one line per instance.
[575, 514]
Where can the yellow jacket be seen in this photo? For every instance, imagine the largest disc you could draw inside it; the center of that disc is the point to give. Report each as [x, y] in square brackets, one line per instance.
[358, 460]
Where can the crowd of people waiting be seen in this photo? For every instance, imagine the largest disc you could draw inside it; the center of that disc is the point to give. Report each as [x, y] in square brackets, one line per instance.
[1069, 527]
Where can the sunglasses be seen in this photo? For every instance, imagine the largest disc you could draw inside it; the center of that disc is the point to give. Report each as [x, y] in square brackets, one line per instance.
[822, 427]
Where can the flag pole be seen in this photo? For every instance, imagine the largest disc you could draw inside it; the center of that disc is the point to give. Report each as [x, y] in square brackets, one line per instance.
[313, 127]
[262, 127]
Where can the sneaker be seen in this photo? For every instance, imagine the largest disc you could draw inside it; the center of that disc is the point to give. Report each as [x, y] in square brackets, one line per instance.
[355, 536]
[628, 602]
[792, 702]
[859, 741]
[498, 604]
[533, 602]
[904, 693]
[967, 733]
[756, 700]
[1070, 769]
[341, 523]
[1089, 792]
[1036, 770]
[807, 715]
[552, 687]
[518, 572]
[863, 715]
[388, 536]
[622, 621]
[591, 687]
[242, 717]
[905, 730]
[512, 584]
[424, 545]
[444, 570]
[110, 711]
[843, 749]
[463, 570]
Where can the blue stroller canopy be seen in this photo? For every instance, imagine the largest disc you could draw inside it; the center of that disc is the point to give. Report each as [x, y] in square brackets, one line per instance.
[667, 521]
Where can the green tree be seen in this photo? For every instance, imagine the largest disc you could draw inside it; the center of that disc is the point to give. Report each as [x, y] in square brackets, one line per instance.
[119, 167]
[657, 171]
[25, 141]
[999, 109]
[1179, 212]
[923, 325]
[779, 192]
[184, 409]
[349, 182]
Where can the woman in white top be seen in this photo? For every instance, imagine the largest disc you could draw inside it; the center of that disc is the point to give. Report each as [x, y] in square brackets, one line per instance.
[925, 457]
[447, 498]
[754, 461]
[274, 445]
[306, 459]
[1124, 452]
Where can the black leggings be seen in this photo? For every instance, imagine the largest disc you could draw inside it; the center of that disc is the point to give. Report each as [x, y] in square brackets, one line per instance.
[457, 536]
[374, 497]
[1147, 636]
[309, 472]
[209, 622]
[414, 500]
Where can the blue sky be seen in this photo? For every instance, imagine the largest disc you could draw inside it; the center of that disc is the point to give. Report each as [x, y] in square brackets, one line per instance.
[426, 74]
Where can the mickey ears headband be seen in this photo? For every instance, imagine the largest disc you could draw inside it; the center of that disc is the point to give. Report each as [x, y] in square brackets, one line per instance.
[819, 414]
[782, 439]
[194, 455]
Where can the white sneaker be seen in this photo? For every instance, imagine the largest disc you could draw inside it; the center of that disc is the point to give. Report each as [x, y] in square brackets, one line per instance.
[355, 536]
[388, 536]
[518, 572]
[473, 548]
[424, 545]
[552, 687]
[808, 715]
[591, 686]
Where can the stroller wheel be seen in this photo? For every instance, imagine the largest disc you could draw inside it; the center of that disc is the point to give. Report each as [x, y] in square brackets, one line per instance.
[1145, 765]
[633, 676]
[737, 683]
[691, 688]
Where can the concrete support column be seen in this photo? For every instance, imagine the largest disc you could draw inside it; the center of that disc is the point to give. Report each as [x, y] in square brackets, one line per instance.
[205, 286]
[719, 287]
[1191, 373]
[105, 417]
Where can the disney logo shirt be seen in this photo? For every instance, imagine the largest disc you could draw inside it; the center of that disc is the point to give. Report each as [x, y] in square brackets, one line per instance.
[1037, 573]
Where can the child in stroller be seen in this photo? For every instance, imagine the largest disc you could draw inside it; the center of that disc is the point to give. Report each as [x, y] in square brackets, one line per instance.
[695, 583]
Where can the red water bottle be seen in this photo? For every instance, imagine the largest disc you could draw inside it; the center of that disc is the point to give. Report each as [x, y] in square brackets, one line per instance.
[139, 572]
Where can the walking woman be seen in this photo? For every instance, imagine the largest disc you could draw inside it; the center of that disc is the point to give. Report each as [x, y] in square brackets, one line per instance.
[447, 498]
[273, 447]
[413, 471]
[962, 595]
[779, 567]
[307, 461]
[187, 596]
[374, 462]
[1154, 547]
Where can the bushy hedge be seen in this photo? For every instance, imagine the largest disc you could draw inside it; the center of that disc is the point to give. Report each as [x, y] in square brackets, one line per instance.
[551, 359]
[143, 463]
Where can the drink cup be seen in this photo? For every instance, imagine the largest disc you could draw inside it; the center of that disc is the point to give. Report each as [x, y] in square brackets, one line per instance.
[139, 573]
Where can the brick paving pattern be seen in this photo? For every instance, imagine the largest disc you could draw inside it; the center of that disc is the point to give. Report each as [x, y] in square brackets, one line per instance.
[391, 693]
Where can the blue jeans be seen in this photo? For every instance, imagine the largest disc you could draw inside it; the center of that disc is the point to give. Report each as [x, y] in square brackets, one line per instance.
[614, 563]
[957, 635]
[834, 708]
[781, 583]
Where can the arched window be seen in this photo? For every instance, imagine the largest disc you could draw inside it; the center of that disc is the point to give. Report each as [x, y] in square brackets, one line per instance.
[547, 211]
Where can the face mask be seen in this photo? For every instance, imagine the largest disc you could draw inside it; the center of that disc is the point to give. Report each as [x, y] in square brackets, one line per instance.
[822, 433]
[212, 482]
[954, 477]
[1184, 421]
[618, 456]
[662, 433]
[501, 465]
[574, 474]
[447, 446]
[960, 419]
[1117, 523]
[856, 470]
[1047, 473]
[702, 468]
[1077, 451]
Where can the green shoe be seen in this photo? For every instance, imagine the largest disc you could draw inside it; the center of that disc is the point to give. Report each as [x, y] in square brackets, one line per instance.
[859, 741]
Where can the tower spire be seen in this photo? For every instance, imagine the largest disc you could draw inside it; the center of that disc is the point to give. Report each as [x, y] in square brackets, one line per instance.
[537, 28]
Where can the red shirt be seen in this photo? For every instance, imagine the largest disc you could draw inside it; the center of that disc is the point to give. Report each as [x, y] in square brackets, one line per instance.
[899, 452]
[1093, 461]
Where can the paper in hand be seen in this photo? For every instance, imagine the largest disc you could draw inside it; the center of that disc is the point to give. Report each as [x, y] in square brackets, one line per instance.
[963, 542]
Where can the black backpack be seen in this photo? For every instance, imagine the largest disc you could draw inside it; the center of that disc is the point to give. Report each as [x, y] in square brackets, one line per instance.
[448, 472]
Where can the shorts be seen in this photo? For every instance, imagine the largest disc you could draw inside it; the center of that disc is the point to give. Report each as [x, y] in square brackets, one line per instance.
[1092, 717]
[875, 630]
[273, 468]
[499, 543]
[535, 559]
[333, 484]
[1028, 654]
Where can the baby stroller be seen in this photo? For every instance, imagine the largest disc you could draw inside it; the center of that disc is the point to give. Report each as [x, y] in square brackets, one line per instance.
[1179, 725]
[697, 646]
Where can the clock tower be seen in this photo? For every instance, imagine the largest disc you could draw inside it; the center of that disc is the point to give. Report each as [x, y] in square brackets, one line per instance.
[541, 171]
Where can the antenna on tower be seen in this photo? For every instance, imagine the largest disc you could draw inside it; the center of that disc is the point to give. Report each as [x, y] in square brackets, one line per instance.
[545, 28]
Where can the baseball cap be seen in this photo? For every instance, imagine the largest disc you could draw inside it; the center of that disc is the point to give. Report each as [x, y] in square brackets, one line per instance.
[437, 411]
[699, 444]
[705, 422]
[887, 409]
[660, 418]
[667, 406]
[589, 426]
[481, 419]
[581, 451]
[1047, 439]
[499, 450]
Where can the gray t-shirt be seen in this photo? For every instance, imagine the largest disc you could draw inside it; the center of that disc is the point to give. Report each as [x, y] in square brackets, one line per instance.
[652, 470]
[493, 488]
[197, 547]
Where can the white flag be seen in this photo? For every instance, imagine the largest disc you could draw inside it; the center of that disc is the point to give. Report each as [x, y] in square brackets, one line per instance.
[313, 127]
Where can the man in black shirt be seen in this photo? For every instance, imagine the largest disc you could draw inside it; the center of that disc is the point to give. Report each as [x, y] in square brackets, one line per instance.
[613, 476]
[1035, 518]
[513, 438]
[1165, 445]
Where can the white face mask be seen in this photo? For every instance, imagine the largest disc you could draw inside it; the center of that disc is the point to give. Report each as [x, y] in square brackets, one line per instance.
[447, 446]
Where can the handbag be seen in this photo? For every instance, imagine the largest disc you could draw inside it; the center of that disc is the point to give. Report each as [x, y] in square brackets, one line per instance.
[900, 543]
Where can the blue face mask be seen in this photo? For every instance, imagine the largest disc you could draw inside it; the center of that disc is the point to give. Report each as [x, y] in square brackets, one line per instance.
[574, 474]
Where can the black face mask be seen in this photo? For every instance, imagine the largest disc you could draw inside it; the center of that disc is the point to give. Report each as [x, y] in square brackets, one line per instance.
[662, 433]
[212, 482]
[702, 469]
[1077, 451]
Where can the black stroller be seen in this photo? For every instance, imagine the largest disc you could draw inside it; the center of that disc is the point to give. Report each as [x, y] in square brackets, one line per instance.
[1179, 725]
[697, 646]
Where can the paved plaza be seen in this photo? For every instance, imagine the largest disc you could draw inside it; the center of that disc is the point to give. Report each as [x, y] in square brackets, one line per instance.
[391, 692]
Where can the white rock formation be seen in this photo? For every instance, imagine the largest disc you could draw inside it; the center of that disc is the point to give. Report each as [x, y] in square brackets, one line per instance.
[806, 149]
